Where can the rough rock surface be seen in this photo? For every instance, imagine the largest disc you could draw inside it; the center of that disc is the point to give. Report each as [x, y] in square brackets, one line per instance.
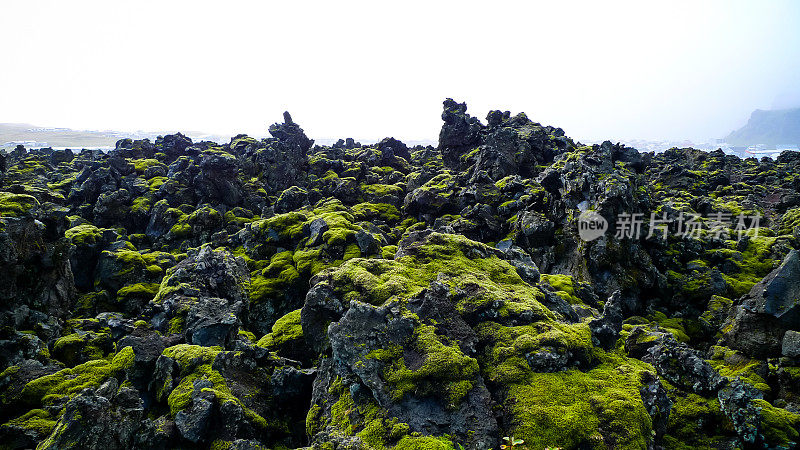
[771, 309]
[274, 293]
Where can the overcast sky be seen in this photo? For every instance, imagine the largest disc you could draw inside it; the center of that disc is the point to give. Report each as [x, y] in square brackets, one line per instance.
[619, 70]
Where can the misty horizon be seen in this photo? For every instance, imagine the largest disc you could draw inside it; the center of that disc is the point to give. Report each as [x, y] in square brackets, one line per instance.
[327, 140]
[622, 71]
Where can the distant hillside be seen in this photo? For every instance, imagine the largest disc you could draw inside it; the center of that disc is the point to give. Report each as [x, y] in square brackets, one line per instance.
[769, 128]
[33, 136]
[55, 137]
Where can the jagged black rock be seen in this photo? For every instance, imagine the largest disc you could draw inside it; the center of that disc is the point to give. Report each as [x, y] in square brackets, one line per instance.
[282, 294]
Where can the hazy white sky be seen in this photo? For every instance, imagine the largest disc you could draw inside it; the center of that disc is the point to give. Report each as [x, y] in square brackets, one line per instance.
[618, 70]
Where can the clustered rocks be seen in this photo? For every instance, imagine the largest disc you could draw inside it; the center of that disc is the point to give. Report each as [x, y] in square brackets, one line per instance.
[279, 294]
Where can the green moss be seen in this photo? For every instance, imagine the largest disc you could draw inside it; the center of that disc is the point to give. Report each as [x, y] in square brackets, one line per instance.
[252, 264]
[140, 290]
[15, 205]
[285, 329]
[219, 152]
[690, 419]
[155, 183]
[507, 204]
[189, 356]
[341, 410]
[27, 167]
[718, 303]
[309, 261]
[375, 434]
[756, 263]
[181, 396]
[352, 251]
[733, 205]
[220, 445]
[445, 371]
[141, 165]
[563, 284]
[196, 363]
[365, 419]
[272, 282]
[132, 260]
[456, 259]
[371, 211]
[88, 303]
[63, 185]
[88, 346]
[180, 230]
[141, 205]
[205, 217]
[288, 226]
[330, 175]
[341, 228]
[127, 265]
[67, 340]
[137, 238]
[441, 182]
[790, 221]
[177, 324]
[379, 433]
[9, 371]
[338, 236]
[732, 364]
[85, 234]
[505, 362]
[779, 425]
[424, 443]
[570, 409]
[247, 335]
[74, 380]
[671, 325]
[500, 184]
[692, 285]
[313, 420]
[232, 218]
[387, 252]
[383, 190]
[37, 420]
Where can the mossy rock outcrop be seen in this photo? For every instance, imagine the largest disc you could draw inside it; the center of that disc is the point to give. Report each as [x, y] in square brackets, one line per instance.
[405, 340]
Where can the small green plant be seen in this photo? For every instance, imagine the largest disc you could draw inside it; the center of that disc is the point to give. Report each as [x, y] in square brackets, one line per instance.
[512, 442]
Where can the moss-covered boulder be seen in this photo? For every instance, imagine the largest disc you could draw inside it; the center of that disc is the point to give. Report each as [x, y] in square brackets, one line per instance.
[405, 338]
[80, 347]
[771, 308]
[287, 340]
[130, 275]
[204, 386]
[15, 205]
[286, 250]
